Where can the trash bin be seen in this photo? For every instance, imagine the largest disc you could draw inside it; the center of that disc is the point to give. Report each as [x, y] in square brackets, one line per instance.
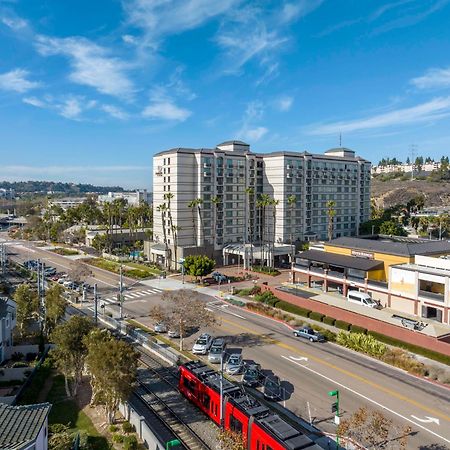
[233, 290]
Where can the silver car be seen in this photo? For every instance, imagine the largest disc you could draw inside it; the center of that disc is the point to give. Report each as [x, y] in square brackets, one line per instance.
[202, 344]
[216, 351]
[160, 328]
[234, 365]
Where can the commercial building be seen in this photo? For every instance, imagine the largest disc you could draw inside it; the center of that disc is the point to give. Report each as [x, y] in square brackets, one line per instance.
[66, 203]
[24, 427]
[403, 273]
[407, 168]
[7, 194]
[132, 198]
[209, 201]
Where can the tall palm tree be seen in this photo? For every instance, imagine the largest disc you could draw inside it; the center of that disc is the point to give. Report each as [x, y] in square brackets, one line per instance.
[251, 224]
[262, 204]
[216, 202]
[163, 209]
[193, 205]
[196, 210]
[273, 203]
[169, 196]
[292, 199]
[331, 213]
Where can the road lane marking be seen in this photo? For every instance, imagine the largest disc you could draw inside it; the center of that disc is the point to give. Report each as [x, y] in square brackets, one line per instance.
[427, 419]
[298, 358]
[346, 373]
[366, 398]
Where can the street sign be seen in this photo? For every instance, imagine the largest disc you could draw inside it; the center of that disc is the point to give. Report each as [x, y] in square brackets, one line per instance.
[334, 407]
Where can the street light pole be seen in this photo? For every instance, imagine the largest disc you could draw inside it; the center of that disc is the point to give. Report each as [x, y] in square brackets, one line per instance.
[335, 409]
[121, 293]
[221, 392]
[95, 304]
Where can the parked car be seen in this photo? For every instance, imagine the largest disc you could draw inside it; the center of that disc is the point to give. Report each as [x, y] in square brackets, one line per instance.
[173, 333]
[202, 344]
[252, 375]
[49, 271]
[66, 283]
[234, 364]
[219, 277]
[216, 351]
[272, 388]
[160, 327]
[309, 333]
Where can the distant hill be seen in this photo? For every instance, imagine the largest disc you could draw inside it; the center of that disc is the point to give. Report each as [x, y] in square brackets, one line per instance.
[42, 187]
[395, 191]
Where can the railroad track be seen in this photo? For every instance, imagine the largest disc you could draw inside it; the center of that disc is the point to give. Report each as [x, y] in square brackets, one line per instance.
[188, 437]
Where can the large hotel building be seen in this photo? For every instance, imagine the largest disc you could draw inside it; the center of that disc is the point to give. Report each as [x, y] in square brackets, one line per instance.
[230, 203]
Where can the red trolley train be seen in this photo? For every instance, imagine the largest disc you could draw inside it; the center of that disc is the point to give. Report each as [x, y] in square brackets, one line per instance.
[261, 428]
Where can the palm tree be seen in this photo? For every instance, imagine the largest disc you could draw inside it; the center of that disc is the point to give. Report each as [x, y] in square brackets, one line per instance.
[331, 213]
[262, 203]
[162, 209]
[250, 192]
[274, 203]
[292, 199]
[195, 208]
[169, 196]
[216, 202]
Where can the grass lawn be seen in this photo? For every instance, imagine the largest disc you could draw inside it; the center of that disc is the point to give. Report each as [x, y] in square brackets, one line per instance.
[66, 411]
[65, 251]
[132, 270]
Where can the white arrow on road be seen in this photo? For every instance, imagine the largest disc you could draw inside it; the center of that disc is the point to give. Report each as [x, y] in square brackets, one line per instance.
[427, 419]
[296, 358]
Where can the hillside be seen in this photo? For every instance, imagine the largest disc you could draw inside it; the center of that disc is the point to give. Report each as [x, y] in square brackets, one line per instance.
[393, 192]
[42, 187]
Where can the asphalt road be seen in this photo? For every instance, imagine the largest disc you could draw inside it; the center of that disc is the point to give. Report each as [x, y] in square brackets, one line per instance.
[307, 370]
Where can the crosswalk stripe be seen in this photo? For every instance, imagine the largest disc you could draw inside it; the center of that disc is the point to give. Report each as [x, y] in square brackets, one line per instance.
[128, 296]
[149, 291]
[133, 294]
[140, 294]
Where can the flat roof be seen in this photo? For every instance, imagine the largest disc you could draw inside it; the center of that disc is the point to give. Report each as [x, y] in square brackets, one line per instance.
[423, 269]
[392, 245]
[349, 262]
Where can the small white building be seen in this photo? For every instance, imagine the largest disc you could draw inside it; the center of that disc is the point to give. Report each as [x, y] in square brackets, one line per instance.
[422, 288]
[7, 324]
[24, 427]
[132, 198]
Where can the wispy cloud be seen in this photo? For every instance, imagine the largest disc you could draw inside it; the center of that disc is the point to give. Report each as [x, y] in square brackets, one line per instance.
[14, 22]
[291, 11]
[249, 129]
[92, 65]
[338, 26]
[115, 112]
[16, 80]
[162, 106]
[433, 78]
[433, 110]
[388, 7]
[284, 103]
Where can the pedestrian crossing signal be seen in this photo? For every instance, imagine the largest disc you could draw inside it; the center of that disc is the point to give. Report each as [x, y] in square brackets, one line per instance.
[334, 407]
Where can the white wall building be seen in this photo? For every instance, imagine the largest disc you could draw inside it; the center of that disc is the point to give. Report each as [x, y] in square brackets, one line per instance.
[132, 198]
[226, 173]
[7, 324]
[407, 168]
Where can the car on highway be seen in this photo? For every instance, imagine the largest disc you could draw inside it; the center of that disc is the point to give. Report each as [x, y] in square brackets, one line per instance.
[252, 375]
[202, 344]
[234, 364]
[217, 350]
[160, 327]
[272, 388]
[310, 334]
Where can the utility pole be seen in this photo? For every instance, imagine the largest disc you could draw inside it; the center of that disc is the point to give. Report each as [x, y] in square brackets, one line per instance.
[413, 152]
[221, 422]
[121, 293]
[95, 304]
[3, 258]
[335, 410]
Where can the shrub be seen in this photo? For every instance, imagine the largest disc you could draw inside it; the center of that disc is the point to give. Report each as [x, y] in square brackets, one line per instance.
[268, 298]
[316, 316]
[356, 329]
[412, 348]
[16, 356]
[113, 428]
[329, 335]
[118, 438]
[342, 325]
[294, 309]
[19, 364]
[30, 356]
[130, 443]
[329, 320]
[249, 291]
[266, 270]
[128, 428]
[400, 358]
[362, 343]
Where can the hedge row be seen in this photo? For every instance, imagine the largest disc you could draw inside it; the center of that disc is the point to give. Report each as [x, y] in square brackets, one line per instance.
[341, 324]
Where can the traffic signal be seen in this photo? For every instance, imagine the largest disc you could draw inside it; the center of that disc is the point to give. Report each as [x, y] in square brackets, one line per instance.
[334, 407]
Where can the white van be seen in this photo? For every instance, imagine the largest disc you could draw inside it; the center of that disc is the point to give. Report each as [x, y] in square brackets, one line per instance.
[361, 298]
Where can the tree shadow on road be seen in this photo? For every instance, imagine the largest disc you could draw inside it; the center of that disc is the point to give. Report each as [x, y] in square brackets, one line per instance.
[250, 339]
[434, 447]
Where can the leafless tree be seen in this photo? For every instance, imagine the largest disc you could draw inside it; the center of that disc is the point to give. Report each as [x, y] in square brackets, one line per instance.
[182, 310]
[79, 272]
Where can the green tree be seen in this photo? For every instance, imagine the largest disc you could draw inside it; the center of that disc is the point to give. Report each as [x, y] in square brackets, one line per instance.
[331, 213]
[198, 265]
[181, 310]
[55, 307]
[392, 228]
[100, 242]
[112, 365]
[70, 350]
[27, 306]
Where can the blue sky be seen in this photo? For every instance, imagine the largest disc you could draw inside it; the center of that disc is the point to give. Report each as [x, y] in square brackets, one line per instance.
[90, 90]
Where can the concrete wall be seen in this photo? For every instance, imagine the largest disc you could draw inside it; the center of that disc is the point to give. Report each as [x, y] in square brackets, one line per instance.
[142, 429]
[14, 373]
[394, 331]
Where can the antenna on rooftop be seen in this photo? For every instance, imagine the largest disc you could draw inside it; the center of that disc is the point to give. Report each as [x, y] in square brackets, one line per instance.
[340, 140]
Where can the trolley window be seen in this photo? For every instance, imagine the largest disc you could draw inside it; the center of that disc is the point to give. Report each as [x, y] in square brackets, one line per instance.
[206, 401]
[235, 425]
[190, 385]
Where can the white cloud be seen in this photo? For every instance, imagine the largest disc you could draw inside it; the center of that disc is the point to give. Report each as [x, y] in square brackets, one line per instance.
[166, 110]
[433, 78]
[435, 109]
[15, 23]
[295, 10]
[129, 39]
[115, 112]
[91, 64]
[388, 7]
[254, 134]
[284, 103]
[249, 130]
[33, 101]
[16, 80]
[71, 109]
